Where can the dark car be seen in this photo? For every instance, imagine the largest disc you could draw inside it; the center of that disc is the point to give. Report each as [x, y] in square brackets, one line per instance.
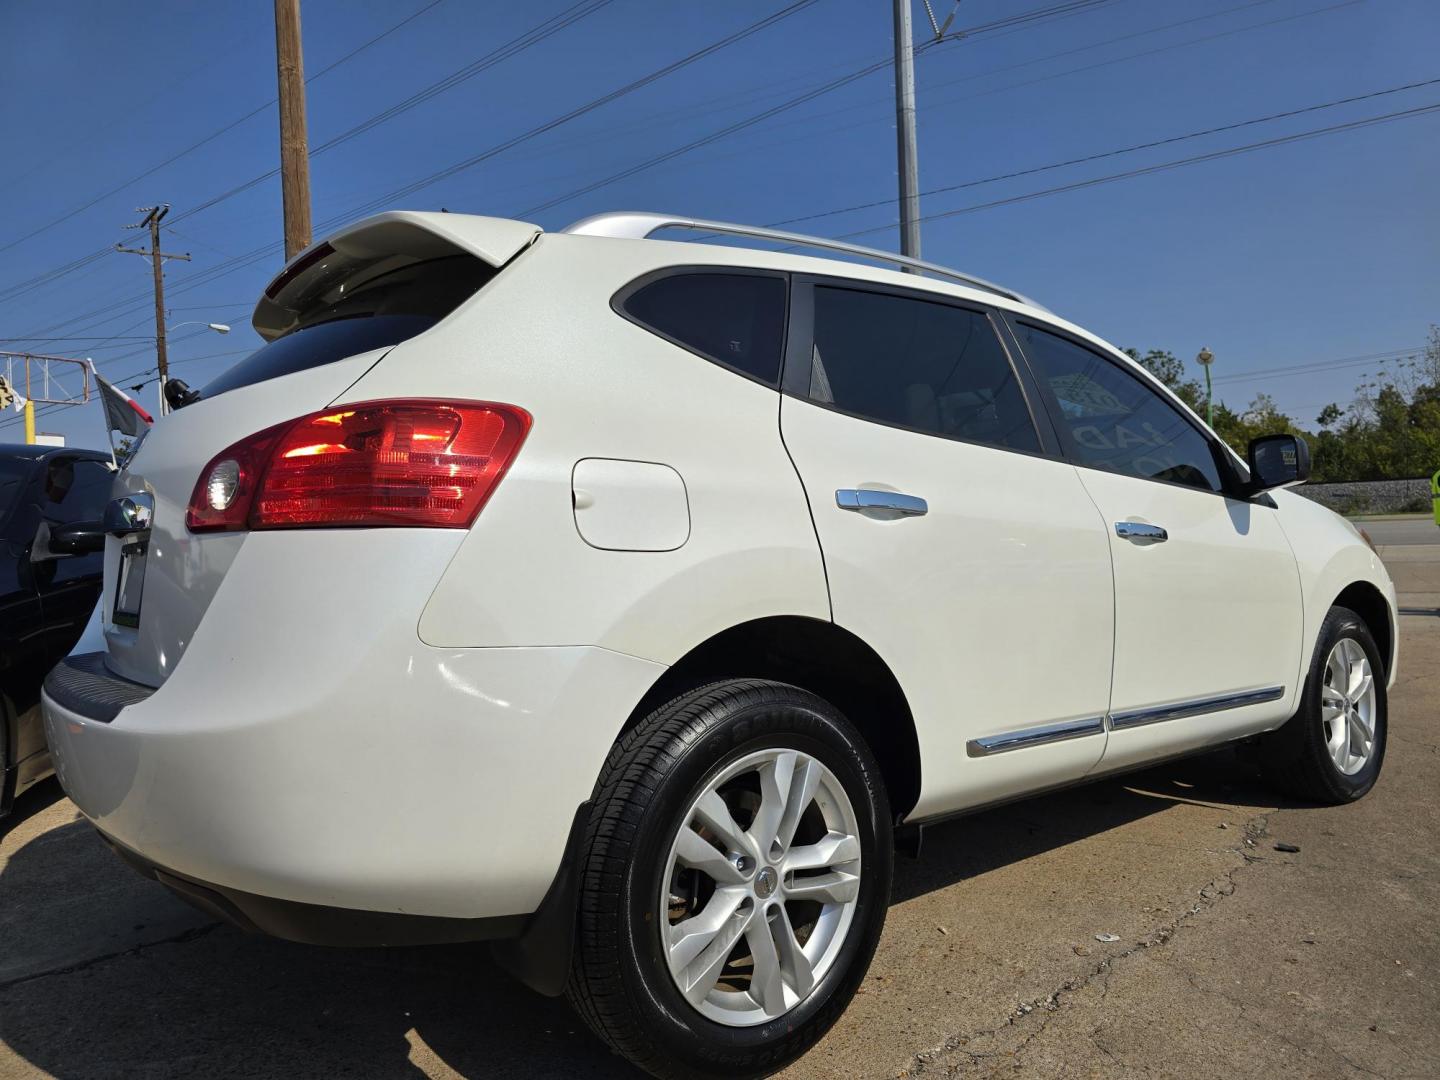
[46, 597]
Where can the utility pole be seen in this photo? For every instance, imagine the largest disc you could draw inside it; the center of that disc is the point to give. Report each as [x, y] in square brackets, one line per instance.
[905, 131]
[153, 216]
[294, 150]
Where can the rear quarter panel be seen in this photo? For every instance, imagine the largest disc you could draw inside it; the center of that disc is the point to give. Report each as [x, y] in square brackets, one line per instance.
[543, 336]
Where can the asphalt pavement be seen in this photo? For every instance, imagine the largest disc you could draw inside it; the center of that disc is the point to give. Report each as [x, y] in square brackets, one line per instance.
[1398, 531]
[1229, 957]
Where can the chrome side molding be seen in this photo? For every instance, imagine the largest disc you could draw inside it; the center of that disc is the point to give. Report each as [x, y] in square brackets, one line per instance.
[1076, 729]
[1140, 717]
[870, 499]
[1035, 736]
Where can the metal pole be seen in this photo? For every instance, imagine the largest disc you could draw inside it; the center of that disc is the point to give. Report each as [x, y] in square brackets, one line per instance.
[905, 131]
[1209, 401]
[294, 152]
[29, 422]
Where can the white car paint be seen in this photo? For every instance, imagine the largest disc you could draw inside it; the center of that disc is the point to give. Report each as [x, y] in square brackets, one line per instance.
[405, 720]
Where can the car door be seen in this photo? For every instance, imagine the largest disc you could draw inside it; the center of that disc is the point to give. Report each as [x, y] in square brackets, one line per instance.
[70, 489]
[1208, 614]
[956, 541]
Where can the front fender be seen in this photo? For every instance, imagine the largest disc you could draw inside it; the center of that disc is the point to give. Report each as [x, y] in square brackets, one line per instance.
[1332, 556]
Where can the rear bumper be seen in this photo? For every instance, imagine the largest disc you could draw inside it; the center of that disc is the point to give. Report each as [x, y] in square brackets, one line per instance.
[379, 781]
[314, 924]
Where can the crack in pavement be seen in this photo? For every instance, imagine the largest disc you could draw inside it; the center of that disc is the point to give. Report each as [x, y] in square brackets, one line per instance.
[1044, 1007]
[179, 939]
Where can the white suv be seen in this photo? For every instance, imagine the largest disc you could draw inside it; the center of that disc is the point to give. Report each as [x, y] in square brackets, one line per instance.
[621, 598]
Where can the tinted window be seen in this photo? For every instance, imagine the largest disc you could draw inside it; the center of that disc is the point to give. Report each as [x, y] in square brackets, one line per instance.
[375, 314]
[926, 366]
[1115, 420]
[734, 319]
[75, 490]
[13, 472]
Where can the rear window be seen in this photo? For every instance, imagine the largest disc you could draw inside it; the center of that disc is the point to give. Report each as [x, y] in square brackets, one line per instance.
[375, 314]
[737, 320]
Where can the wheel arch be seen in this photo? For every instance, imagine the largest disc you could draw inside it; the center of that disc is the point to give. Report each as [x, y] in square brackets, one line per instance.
[820, 657]
[1366, 600]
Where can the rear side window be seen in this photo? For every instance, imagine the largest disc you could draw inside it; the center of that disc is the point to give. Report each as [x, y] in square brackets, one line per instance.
[911, 363]
[737, 320]
[355, 317]
[1115, 421]
[76, 490]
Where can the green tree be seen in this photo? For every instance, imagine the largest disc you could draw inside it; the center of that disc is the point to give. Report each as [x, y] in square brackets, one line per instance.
[1170, 370]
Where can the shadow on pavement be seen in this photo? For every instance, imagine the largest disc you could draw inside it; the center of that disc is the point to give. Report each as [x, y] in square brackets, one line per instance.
[42, 796]
[173, 994]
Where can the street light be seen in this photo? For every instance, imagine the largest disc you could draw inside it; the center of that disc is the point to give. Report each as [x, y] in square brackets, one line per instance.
[1205, 358]
[218, 327]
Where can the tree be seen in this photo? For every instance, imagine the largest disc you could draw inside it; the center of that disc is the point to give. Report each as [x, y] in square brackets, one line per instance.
[1170, 370]
[1390, 431]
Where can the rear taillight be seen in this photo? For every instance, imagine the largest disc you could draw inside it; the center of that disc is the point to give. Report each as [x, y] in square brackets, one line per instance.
[409, 462]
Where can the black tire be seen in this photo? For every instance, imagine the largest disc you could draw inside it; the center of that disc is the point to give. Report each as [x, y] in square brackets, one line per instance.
[1294, 759]
[619, 980]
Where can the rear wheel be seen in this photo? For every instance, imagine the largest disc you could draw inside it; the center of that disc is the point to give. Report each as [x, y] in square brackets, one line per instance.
[1332, 749]
[735, 881]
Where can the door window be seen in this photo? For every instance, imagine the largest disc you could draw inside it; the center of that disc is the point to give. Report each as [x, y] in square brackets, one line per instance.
[915, 364]
[75, 491]
[737, 320]
[1115, 421]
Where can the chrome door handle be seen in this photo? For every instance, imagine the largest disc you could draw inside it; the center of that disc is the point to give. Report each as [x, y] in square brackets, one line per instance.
[869, 499]
[1134, 530]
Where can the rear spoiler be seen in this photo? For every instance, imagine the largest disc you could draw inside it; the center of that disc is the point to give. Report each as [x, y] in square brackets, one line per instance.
[405, 235]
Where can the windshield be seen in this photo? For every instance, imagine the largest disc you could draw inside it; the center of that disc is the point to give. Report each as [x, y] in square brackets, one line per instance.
[375, 314]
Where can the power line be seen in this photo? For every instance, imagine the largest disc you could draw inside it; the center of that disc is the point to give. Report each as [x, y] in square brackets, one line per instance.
[524, 41]
[514, 47]
[1317, 366]
[1164, 166]
[1053, 11]
[587, 107]
[1122, 150]
[1020, 19]
[264, 251]
[208, 139]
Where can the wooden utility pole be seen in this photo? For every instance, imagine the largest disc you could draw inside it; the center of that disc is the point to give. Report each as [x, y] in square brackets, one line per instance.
[294, 148]
[152, 219]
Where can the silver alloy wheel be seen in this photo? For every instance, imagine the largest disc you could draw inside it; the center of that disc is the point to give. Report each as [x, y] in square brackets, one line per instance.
[1348, 706]
[757, 914]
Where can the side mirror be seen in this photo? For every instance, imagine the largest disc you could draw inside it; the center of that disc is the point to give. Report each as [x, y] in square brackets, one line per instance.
[1278, 461]
[77, 538]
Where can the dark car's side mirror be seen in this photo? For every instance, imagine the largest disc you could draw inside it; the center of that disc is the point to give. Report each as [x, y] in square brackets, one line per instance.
[75, 538]
[1278, 461]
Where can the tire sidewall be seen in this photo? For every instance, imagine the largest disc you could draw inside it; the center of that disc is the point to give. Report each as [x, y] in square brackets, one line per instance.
[1342, 623]
[803, 724]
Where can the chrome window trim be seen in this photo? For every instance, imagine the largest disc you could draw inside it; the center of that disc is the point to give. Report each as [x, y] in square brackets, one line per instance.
[1180, 709]
[1035, 736]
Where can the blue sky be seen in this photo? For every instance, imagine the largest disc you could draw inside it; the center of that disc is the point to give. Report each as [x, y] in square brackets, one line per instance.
[1315, 251]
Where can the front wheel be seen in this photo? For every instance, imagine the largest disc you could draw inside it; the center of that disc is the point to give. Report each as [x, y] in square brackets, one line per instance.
[1332, 749]
[734, 883]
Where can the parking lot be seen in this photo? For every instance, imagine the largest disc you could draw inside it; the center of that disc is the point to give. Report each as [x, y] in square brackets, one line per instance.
[1230, 957]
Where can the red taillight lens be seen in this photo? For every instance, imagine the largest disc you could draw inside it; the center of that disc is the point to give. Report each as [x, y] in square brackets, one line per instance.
[416, 463]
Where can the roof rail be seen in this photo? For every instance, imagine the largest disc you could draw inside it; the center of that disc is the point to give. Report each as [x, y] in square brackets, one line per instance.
[640, 225]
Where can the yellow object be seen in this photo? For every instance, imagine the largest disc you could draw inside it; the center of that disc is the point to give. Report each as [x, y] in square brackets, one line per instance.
[1435, 495]
[29, 422]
